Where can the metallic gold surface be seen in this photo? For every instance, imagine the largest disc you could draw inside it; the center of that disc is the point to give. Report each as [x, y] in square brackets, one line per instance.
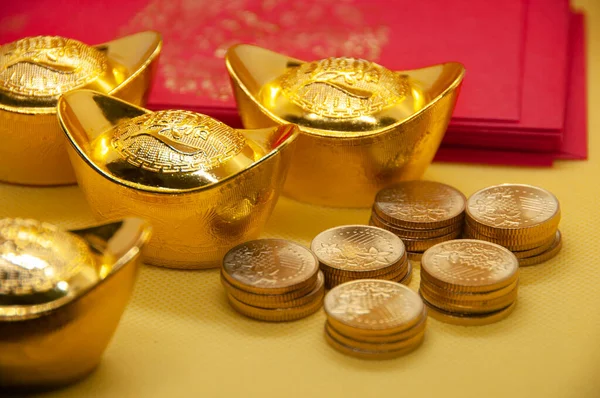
[469, 307]
[363, 126]
[539, 249]
[415, 256]
[358, 250]
[420, 245]
[470, 265]
[429, 286]
[275, 301]
[397, 275]
[512, 211]
[378, 347]
[58, 322]
[35, 71]
[204, 186]
[270, 266]
[551, 252]
[469, 319]
[366, 354]
[380, 307]
[512, 244]
[420, 205]
[405, 233]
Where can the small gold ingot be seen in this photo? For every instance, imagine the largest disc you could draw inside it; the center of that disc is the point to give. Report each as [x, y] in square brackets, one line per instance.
[363, 126]
[62, 295]
[205, 186]
[35, 71]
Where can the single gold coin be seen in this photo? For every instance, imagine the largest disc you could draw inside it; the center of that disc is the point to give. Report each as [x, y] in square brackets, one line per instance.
[470, 265]
[407, 233]
[545, 256]
[469, 307]
[537, 250]
[362, 335]
[270, 266]
[277, 300]
[358, 249]
[469, 319]
[365, 354]
[453, 295]
[420, 245]
[420, 205]
[278, 314]
[374, 305]
[369, 346]
[510, 210]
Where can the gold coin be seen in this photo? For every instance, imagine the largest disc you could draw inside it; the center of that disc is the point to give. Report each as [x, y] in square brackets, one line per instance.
[469, 319]
[368, 346]
[405, 233]
[376, 274]
[418, 245]
[468, 307]
[364, 354]
[406, 280]
[270, 266]
[420, 205]
[415, 256]
[374, 305]
[366, 336]
[545, 256]
[511, 210]
[276, 300]
[512, 244]
[278, 314]
[358, 249]
[397, 271]
[432, 288]
[537, 250]
[470, 265]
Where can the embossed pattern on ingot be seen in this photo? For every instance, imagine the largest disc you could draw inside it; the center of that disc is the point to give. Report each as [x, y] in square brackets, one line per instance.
[341, 88]
[47, 66]
[176, 141]
[270, 266]
[36, 256]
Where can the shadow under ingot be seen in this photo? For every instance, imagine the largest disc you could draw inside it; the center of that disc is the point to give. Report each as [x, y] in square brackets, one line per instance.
[35, 71]
[363, 127]
[205, 186]
[62, 294]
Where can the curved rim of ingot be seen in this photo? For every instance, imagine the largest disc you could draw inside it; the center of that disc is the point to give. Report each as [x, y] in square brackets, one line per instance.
[472, 284]
[233, 63]
[539, 228]
[283, 136]
[548, 254]
[366, 354]
[118, 50]
[398, 325]
[119, 241]
[461, 319]
[375, 270]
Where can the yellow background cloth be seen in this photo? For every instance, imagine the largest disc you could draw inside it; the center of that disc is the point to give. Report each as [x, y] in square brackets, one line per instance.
[180, 338]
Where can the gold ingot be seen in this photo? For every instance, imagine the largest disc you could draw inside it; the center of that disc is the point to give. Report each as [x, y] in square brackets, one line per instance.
[363, 126]
[205, 186]
[35, 71]
[62, 294]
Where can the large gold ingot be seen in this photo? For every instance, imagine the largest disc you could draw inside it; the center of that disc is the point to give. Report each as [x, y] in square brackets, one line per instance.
[363, 127]
[62, 295]
[205, 186]
[35, 71]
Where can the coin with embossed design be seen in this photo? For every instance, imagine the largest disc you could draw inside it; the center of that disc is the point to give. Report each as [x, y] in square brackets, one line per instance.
[513, 211]
[35, 257]
[270, 266]
[470, 265]
[358, 249]
[420, 205]
[375, 306]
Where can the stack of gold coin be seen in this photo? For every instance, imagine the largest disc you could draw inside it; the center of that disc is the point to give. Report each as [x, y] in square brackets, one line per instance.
[353, 252]
[273, 280]
[469, 282]
[374, 319]
[421, 213]
[522, 218]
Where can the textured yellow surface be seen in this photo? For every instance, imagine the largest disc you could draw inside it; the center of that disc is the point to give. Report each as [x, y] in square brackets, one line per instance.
[179, 337]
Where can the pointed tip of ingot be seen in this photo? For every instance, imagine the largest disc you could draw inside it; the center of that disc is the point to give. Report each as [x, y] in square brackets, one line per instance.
[163, 151]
